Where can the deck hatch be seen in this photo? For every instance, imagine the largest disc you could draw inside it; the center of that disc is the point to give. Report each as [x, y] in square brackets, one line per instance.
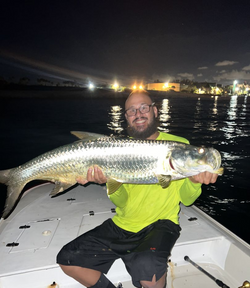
[91, 220]
[38, 236]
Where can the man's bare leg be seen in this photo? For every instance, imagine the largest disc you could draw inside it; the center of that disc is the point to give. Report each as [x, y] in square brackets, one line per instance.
[85, 276]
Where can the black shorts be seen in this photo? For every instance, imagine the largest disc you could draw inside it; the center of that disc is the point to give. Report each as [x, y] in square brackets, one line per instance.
[144, 253]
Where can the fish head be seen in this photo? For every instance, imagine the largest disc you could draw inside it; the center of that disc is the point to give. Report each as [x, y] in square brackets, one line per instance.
[193, 160]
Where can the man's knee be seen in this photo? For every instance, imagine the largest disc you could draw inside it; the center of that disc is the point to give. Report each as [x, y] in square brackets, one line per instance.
[69, 270]
[85, 276]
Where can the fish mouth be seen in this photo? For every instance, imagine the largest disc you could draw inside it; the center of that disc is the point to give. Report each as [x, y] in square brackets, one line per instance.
[214, 158]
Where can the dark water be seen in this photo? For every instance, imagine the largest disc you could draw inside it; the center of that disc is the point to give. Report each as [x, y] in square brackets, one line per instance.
[34, 125]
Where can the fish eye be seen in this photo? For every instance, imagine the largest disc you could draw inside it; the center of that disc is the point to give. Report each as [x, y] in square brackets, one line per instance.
[201, 150]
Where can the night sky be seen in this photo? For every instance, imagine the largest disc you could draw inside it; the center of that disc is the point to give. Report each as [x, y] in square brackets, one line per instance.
[103, 41]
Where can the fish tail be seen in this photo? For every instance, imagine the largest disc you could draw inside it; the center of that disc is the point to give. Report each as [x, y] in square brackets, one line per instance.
[13, 192]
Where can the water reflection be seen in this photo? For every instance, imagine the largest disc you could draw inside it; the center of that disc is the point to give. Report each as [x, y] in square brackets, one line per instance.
[164, 116]
[215, 110]
[232, 111]
[236, 133]
[197, 115]
[234, 127]
[116, 117]
[213, 125]
[244, 108]
[230, 123]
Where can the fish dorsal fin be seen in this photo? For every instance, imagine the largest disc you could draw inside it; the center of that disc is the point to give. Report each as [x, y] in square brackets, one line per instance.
[87, 135]
[60, 187]
[112, 185]
[164, 180]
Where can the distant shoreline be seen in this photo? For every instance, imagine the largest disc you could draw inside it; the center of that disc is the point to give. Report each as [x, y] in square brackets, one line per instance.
[74, 92]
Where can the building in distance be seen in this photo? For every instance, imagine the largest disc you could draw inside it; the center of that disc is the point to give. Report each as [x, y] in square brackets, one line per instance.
[164, 86]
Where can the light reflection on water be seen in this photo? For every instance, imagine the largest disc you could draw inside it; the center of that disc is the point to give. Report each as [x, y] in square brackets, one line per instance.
[230, 125]
[197, 116]
[116, 119]
[213, 124]
[244, 108]
[164, 116]
[215, 110]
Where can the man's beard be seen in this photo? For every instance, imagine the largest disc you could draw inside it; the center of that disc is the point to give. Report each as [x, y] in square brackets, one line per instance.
[150, 130]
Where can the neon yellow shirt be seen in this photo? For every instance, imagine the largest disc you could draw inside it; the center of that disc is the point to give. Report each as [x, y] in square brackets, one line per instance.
[139, 205]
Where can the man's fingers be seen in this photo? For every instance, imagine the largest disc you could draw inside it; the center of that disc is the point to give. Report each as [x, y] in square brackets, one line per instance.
[81, 180]
[94, 174]
[90, 175]
[204, 178]
[99, 176]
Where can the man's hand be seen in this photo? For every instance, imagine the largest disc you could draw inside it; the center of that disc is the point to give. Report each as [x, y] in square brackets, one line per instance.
[204, 178]
[94, 175]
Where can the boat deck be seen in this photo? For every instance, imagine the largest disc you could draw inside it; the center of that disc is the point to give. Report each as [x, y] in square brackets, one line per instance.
[40, 225]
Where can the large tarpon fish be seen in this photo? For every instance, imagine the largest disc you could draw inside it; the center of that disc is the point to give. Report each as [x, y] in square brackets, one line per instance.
[122, 160]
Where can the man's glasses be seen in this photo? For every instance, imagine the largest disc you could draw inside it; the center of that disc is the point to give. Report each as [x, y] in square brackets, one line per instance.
[143, 109]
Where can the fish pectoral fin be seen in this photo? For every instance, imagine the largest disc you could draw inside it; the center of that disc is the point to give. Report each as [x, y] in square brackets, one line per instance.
[87, 135]
[60, 187]
[112, 185]
[164, 180]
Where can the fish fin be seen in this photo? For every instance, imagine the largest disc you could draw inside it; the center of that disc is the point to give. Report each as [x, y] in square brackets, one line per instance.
[87, 136]
[4, 176]
[60, 187]
[219, 171]
[112, 185]
[164, 180]
[13, 192]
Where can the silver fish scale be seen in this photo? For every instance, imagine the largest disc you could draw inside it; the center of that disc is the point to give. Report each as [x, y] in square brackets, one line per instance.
[122, 159]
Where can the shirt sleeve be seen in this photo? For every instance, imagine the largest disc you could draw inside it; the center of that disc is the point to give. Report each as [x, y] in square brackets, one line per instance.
[120, 197]
[189, 192]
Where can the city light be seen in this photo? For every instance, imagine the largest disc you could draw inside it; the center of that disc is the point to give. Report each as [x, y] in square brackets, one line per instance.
[115, 86]
[137, 87]
[235, 82]
[91, 86]
[165, 86]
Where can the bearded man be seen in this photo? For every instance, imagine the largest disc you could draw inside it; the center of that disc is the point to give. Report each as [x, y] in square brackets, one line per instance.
[146, 224]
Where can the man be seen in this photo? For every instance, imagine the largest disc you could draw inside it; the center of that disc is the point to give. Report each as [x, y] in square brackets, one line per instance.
[145, 227]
